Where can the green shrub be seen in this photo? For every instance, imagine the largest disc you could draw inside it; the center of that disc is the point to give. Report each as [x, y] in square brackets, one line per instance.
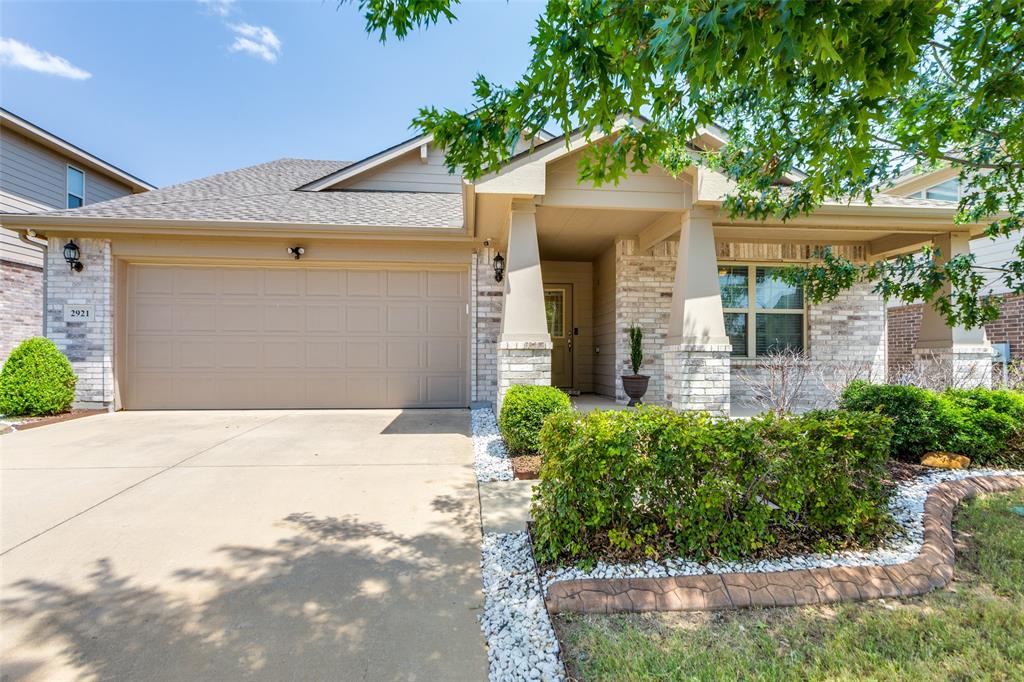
[985, 425]
[629, 485]
[523, 412]
[37, 379]
[914, 412]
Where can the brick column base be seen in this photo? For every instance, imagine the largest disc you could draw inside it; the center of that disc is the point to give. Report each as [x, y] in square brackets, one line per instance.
[697, 377]
[959, 367]
[522, 362]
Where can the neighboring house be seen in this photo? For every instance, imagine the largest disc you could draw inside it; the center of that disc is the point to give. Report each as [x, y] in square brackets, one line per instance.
[41, 172]
[905, 320]
[301, 283]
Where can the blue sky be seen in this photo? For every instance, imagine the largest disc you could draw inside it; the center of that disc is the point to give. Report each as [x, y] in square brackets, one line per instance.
[172, 91]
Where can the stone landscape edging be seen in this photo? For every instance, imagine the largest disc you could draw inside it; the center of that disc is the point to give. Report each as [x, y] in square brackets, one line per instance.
[931, 569]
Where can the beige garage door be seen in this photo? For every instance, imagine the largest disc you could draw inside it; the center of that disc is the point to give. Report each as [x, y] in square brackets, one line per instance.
[239, 337]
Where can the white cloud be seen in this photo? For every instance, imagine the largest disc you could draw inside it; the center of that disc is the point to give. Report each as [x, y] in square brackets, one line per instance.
[22, 56]
[221, 8]
[258, 41]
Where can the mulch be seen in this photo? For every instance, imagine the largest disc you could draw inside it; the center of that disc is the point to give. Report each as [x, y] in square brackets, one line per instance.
[526, 467]
[35, 422]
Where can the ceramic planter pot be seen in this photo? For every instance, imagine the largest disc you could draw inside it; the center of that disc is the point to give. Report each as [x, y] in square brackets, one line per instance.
[635, 386]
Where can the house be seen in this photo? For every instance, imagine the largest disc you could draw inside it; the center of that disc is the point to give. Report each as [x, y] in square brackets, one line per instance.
[905, 320]
[389, 283]
[41, 172]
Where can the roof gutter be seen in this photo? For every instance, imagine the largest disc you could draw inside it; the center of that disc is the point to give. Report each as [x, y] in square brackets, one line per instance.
[45, 224]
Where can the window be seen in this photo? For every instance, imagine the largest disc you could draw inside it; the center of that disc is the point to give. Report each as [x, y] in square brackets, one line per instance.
[946, 191]
[76, 187]
[762, 314]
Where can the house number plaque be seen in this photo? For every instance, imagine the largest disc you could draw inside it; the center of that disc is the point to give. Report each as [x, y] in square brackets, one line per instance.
[79, 313]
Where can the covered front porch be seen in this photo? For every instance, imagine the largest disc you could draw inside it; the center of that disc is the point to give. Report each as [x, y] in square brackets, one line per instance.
[583, 264]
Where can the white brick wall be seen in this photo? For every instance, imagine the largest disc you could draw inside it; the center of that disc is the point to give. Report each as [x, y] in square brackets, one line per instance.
[522, 362]
[697, 377]
[88, 345]
[643, 295]
[486, 297]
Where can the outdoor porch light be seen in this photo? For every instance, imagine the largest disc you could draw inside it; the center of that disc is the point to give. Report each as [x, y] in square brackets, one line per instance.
[71, 253]
[296, 251]
[499, 268]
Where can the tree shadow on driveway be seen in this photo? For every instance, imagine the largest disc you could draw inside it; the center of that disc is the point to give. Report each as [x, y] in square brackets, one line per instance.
[336, 599]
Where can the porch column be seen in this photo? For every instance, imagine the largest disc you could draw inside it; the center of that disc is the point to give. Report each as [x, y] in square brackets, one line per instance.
[951, 356]
[524, 345]
[696, 346]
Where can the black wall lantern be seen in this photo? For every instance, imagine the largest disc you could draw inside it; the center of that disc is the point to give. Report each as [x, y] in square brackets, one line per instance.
[71, 253]
[499, 268]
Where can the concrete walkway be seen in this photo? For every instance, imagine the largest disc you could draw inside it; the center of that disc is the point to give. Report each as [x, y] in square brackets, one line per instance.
[270, 545]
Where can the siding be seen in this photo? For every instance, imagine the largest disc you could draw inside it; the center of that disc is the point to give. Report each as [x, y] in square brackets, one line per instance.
[604, 323]
[580, 276]
[33, 178]
[409, 174]
[995, 253]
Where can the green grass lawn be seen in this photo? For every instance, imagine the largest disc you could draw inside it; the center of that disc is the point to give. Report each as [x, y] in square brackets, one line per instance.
[974, 630]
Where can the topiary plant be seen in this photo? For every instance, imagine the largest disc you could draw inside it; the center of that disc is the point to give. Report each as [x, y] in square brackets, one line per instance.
[37, 379]
[523, 411]
[636, 347]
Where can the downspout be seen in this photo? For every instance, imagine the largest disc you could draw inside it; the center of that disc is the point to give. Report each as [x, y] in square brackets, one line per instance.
[26, 239]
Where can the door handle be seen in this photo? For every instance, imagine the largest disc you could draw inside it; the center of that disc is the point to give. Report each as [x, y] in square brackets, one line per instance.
[568, 342]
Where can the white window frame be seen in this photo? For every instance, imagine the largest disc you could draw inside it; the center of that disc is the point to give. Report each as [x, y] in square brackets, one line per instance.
[923, 194]
[67, 184]
[752, 311]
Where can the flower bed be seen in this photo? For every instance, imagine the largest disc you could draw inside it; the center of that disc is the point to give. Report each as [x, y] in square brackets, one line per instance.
[907, 508]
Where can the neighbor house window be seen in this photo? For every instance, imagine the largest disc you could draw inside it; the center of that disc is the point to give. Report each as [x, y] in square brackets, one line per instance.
[762, 314]
[946, 191]
[76, 187]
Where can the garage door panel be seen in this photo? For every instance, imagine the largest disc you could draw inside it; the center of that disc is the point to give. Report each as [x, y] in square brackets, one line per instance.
[405, 318]
[153, 317]
[199, 282]
[238, 281]
[442, 284]
[324, 318]
[196, 354]
[403, 284]
[363, 283]
[363, 319]
[278, 338]
[284, 317]
[284, 354]
[324, 283]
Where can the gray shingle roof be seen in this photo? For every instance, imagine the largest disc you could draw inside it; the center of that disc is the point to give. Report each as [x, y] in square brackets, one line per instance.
[267, 193]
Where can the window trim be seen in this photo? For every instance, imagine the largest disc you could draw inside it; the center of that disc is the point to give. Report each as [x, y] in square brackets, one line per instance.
[752, 311]
[67, 185]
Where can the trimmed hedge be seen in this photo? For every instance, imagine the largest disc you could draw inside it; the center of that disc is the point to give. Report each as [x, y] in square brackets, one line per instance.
[523, 412]
[37, 379]
[983, 424]
[631, 485]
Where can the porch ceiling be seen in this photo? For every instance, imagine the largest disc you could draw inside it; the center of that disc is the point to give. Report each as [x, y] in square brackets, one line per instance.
[583, 234]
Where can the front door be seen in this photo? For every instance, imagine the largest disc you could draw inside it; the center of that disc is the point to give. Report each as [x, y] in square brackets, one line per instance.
[558, 307]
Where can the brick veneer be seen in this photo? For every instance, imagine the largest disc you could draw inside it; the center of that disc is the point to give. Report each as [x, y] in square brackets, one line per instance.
[905, 325]
[522, 362]
[643, 295]
[21, 304]
[487, 297]
[88, 345]
[698, 377]
[931, 569]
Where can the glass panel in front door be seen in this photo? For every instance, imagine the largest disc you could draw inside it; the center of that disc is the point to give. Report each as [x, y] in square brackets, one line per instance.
[554, 308]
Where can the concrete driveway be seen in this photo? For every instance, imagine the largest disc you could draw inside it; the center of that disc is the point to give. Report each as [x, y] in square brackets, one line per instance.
[298, 545]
